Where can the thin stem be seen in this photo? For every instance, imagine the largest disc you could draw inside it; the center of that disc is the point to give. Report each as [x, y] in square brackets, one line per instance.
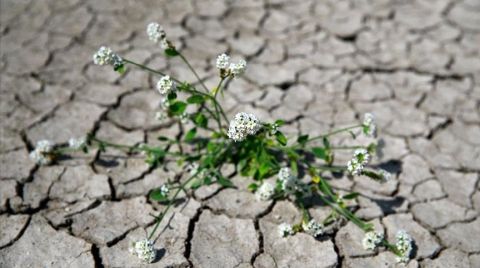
[162, 214]
[217, 112]
[347, 214]
[346, 147]
[332, 133]
[193, 71]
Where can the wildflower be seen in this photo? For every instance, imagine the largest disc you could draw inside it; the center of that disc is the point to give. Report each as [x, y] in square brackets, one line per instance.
[144, 250]
[165, 85]
[288, 180]
[155, 32]
[372, 240]
[164, 190]
[77, 144]
[222, 61]
[285, 229]
[105, 56]
[404, 246]
[265, 192]
[237, 69]
[43, 153]
[313, 228]
[384, 175]
[360, 158]
[243, 125]
[369, 126]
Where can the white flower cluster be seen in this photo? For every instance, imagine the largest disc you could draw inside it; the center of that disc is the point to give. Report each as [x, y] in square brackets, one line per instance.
[361, 157]
[77, 144]
[144, 250]
[369, 126]
[105, 56]
[372, 240]
[222, 61]
[265, 192]
[291, 184]
[285, 229]
[313, 228]
[42, 154]
[242, 125]
[235, 69]
[164, 190]
[165, 85]
[156, 34]
[404, 246]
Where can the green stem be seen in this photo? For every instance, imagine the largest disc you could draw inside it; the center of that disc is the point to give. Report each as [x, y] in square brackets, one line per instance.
[332, 133]
[347, 214]
[162, 214]
[217, 112]
[193, 71]
[346, 147]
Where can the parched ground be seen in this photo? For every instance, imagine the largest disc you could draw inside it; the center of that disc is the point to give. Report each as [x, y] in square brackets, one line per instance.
[317, 64]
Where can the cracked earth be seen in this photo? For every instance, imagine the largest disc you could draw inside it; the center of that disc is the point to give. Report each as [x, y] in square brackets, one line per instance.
[317, 64]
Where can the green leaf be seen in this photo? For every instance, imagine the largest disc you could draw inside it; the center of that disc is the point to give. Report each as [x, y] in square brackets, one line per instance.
[195, 183]
[183, 86]
[195, 99]
[120, 68]
[225, 182]
[172, 96]
[351, 196]
[191, 134]
[201, 120]
[279, 122]
[162, 138]
[178, 107]
[158, 195]
[319, 152]
[302, 139]
[352, 134]
[326, 143]
[252, 187]
[171, 52]
[281, 138]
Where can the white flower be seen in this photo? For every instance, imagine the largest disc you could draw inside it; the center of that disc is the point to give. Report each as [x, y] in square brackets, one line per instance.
[77, 144]
[313, 228]
[164, 189]
[265, 192]
[155, 32]
[144, 250]
[404, 246]
[354, 167]
[222, 61]
[105, 56]
[243, 125]
[372, 240]
[165, 85]
[42, 154]
[385, 175]
[285, 229]
[288, 180]
[361, 157]
[369, 126]
[237, 69]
